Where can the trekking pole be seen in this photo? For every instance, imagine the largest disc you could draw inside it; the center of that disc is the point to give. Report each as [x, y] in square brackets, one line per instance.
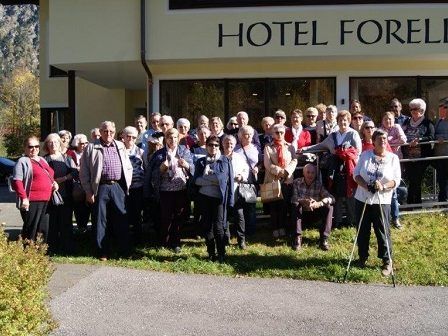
[354, 242]
[387, 238]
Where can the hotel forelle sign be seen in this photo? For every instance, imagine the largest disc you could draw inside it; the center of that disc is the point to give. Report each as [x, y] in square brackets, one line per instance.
[342, 32]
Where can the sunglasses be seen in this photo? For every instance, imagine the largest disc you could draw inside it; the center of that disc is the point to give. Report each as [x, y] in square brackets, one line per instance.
[279, 117]
[358, 117]
[311, 116]
[279, 132]
[35, 146]
[369, 127]
[213, 145]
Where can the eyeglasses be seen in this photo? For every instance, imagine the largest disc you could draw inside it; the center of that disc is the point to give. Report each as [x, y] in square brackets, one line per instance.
[83, 143]
[369, 127]
[358, 117]
[311, 116]
[213, 145]
[35, 146]
[280, 117]
[279, 132]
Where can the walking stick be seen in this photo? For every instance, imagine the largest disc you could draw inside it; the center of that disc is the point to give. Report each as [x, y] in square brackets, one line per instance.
[387, 238]
[354, 242]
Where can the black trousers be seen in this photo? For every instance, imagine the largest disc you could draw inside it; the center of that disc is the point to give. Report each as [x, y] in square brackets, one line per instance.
[414, 174]
[323, 215]
[244, 217]
[60, 235]
[372, 216]
[442, 179]
[35, 221]
[134, 208]
[212, 222]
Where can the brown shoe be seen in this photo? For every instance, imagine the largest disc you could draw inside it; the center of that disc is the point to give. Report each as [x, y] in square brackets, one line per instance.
[323, 245]
[386, 269]
[297, 243]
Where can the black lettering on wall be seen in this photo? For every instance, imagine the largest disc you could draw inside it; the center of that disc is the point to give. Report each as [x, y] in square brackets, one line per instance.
[390, 33]
[379, 32]
[282, 30]
[221, 35]
[411, 31]
[343, 31]
[268, 34]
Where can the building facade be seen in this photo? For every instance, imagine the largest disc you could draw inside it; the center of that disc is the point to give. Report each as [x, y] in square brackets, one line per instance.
[114, 59]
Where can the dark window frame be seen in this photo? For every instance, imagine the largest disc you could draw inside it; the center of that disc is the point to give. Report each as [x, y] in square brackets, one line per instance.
[45, 120]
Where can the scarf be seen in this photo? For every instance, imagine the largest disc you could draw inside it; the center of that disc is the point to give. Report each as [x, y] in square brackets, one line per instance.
[295, 136]
[210, 160]
[278, 146]
[415, 124]
[172, 161]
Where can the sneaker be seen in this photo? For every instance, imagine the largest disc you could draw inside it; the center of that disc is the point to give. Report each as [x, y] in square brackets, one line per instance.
[396, 223]
[324, 245]
[386, 269]
[275, 233]
[242, 245]
[297, 243]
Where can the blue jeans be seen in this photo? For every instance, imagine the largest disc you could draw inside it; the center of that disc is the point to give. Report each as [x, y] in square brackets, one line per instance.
[394, 206]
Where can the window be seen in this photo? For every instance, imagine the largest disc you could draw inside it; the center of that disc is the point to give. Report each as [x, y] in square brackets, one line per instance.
[258, 97]
[54, 120]
[375, 93]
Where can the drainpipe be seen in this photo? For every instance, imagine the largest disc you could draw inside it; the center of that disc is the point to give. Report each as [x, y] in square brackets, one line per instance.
[143, 57]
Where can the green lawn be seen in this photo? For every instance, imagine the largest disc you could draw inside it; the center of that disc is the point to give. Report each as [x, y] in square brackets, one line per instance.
[420, 256]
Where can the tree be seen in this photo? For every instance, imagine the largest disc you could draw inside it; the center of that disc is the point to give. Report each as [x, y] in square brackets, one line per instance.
[19, 109]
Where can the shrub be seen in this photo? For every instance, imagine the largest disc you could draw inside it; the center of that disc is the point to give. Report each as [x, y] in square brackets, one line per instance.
[24, 274]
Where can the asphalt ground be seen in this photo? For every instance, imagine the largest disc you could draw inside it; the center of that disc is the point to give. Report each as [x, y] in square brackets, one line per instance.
[89, 300]
[99, 300]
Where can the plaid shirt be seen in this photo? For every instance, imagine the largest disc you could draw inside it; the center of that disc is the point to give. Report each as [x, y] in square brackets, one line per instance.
[315, 191]
[111, 163]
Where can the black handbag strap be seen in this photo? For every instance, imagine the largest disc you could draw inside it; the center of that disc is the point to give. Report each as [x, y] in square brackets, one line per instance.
[46, 171]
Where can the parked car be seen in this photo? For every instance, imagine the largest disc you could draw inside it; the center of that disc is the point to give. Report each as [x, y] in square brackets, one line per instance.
[6, 168]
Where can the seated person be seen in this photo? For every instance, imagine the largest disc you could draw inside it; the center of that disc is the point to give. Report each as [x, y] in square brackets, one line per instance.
[311, 202]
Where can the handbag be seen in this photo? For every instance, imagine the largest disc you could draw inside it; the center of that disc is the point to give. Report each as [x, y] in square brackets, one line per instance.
[248, 192]
[271, 191]
[78, 193]
[56, 198]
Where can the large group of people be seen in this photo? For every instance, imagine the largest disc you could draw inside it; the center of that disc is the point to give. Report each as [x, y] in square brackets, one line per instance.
[334, 167]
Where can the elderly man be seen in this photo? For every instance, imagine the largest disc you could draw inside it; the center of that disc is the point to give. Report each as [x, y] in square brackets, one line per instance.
[242, 119]
[441, 149]
[106, 175]
[140, 124]
[311, 203]
[396, 107]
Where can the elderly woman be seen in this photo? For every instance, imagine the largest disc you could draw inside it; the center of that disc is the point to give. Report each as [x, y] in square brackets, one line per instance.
[377, 175]
[296, 135]
[327, 125]
[232, 124]
[134, 201]
[216, 127]
[214, 177]
[81, 209]
[345, 145]
[60, 235]
[441, 149]
[66, 137]
[251, 156]
[280, 162]
[417, 129]
[33, 183]
[366, 133]
[183, 126]
[169, 171]
[199, 149]
[310, 123]
[395, 134]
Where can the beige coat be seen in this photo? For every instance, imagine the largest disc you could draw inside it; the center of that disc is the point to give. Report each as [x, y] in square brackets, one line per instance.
[92, 166]
[271, 163]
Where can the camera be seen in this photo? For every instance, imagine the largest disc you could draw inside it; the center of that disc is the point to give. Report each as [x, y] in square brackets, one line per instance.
[371, 187]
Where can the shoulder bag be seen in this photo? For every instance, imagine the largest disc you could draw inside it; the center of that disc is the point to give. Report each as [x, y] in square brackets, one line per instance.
[247, 190]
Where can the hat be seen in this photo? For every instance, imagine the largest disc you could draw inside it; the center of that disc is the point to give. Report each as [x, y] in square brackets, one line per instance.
[444, 102]
[280, 113]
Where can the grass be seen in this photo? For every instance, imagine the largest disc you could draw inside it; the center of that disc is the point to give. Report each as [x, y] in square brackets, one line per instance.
[420, 256]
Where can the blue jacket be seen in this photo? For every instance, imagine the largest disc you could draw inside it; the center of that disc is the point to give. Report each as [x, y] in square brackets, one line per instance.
[151, 187]
[224, 172]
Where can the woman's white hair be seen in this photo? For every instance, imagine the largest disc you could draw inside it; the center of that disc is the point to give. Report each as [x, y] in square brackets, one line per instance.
[79, 138]
[420, 103]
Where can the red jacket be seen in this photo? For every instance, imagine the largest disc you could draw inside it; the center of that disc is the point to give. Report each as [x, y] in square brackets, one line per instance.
[350, 158]
[304, 138]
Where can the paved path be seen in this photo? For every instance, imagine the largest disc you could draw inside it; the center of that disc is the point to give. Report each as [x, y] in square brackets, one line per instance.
[94, 300]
